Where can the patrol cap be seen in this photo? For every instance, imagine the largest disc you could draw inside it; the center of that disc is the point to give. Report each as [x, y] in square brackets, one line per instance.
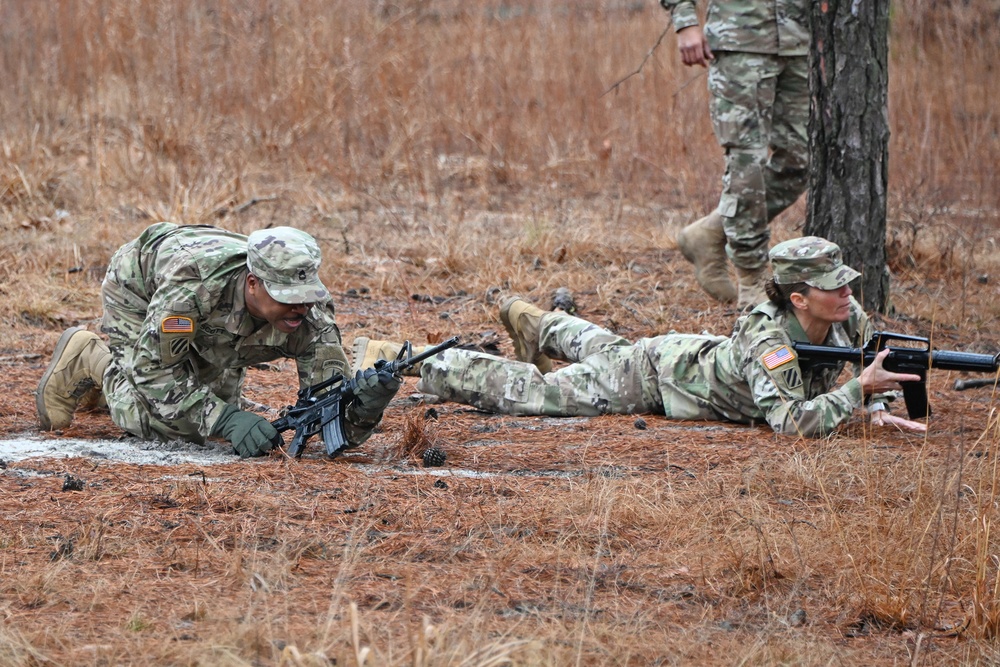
[810, 260]
[287, 262]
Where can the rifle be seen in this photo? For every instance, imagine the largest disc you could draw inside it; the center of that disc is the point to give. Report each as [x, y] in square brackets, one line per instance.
[915, 357]
[320, 408]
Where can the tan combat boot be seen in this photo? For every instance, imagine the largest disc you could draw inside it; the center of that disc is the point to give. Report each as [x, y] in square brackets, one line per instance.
[76, 370]
[751, 286]
[367, 351]
[703, 243]
[522, 321]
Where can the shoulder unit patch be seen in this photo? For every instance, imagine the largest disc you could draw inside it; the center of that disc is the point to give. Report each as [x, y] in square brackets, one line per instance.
[778, 357]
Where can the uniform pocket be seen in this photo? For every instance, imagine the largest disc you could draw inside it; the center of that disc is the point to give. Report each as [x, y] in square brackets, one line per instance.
[518, 382]
[489, 377]
[728, 205]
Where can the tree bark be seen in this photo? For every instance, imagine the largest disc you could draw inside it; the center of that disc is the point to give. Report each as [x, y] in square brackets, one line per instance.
[849, 137]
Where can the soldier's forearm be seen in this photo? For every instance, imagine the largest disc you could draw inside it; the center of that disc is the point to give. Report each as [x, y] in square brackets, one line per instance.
[683, 13]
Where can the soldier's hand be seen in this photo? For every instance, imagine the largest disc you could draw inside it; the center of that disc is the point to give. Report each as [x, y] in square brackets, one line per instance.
[883, 418]
[876, 380]
[374, 391]
[693, 46]
[250, 434]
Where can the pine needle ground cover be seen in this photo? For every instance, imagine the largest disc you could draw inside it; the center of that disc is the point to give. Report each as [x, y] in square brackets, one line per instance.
[443, 154]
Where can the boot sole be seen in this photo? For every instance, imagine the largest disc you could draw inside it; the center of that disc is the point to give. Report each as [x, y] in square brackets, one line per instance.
[43, 415]
[358, 349]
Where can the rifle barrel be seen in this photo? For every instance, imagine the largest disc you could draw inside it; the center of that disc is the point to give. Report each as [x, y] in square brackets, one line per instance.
[963, 361]
[426, 354]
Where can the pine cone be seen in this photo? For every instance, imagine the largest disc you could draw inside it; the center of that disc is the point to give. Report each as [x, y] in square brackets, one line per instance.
[434, 457]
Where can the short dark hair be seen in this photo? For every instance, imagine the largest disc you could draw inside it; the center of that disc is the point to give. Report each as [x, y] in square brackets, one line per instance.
[780, 295]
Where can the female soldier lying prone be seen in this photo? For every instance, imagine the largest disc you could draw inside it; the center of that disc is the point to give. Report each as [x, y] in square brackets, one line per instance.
[751, 376]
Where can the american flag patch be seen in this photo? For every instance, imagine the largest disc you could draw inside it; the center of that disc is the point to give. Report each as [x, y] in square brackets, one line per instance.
[776, 358]
[177, 325]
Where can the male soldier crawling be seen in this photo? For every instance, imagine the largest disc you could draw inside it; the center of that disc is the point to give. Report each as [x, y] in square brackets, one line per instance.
[753, 375]
[186, 310]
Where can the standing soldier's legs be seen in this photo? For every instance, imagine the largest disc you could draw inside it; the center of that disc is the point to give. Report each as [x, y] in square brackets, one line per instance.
[742, 87]
[703, 242]
[787, 172]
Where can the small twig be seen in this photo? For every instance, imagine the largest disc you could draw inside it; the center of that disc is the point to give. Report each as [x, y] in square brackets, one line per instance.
[19, 357]
[678, 468]
[915, 659]
[808, 523]
[253, 202]
[641, 65]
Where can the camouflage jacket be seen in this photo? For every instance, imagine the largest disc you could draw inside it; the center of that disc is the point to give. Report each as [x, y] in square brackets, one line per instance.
[777, 27]
[755, 374]
[187, 285]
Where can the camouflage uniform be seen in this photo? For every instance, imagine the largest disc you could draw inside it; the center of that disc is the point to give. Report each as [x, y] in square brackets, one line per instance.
[754, 375]
[759, 86]
[181, 336]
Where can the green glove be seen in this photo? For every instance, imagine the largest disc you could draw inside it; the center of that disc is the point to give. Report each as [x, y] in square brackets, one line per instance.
[251, 434]
[373, 392]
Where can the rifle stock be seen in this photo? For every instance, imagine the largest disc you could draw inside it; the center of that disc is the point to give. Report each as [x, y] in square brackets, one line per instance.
[913, 356]
[320, 408]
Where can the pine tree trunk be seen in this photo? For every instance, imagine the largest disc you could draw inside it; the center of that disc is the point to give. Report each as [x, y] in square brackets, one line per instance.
[849, 138]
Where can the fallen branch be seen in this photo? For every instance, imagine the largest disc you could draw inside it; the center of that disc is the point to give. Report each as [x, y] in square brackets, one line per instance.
[641, 65]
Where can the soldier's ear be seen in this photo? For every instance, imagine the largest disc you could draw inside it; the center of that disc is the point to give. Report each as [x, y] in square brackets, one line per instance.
[252, 288]
[798, 300]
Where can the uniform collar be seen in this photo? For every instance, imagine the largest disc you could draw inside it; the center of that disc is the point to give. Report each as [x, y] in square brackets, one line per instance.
[836, 336]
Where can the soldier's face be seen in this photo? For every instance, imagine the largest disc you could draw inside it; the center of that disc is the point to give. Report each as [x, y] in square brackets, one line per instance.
[285, 317]
[833, 305]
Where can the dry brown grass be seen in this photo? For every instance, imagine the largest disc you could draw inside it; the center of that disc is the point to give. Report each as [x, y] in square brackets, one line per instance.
[440, 150]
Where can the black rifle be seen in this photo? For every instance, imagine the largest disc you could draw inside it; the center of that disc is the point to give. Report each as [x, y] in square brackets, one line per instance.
[320, 408]
[915, 357]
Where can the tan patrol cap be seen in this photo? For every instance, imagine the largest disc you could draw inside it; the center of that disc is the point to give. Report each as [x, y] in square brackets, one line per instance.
[287, 261]
[810, 260]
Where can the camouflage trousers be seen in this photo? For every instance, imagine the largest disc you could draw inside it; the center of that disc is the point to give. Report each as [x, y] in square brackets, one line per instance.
[607, 375]
[760, 112]
[124, 324]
